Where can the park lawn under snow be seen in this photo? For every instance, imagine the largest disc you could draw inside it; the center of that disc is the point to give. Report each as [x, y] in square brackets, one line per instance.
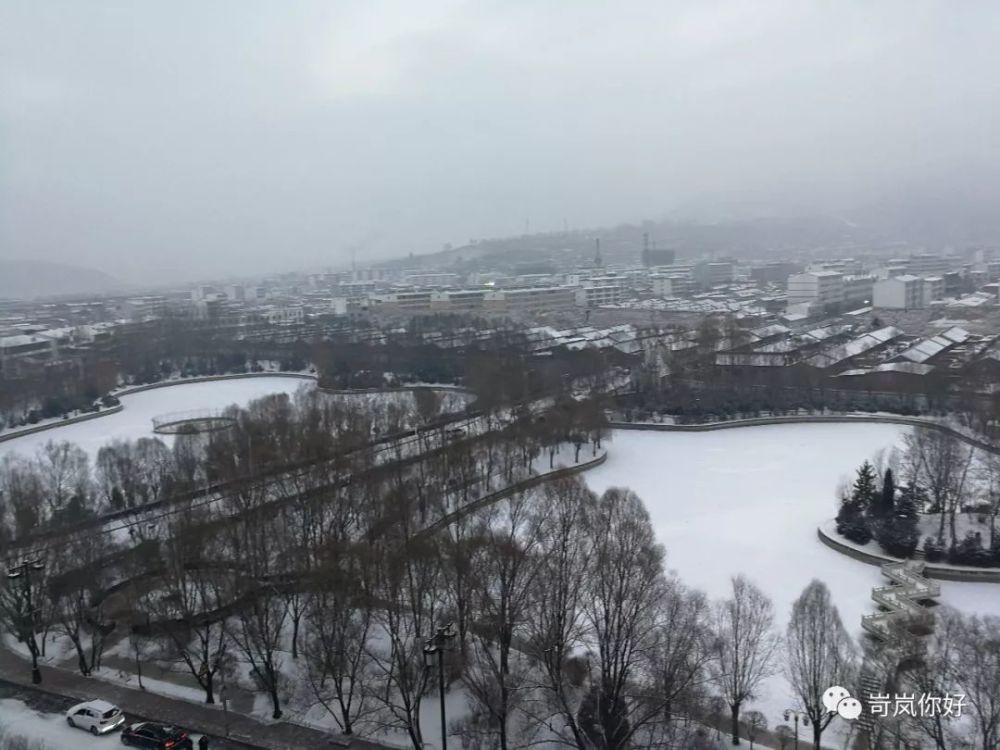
[135, 420]
[748, 501]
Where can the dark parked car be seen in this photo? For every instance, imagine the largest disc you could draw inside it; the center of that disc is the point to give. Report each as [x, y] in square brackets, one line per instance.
[158, 736]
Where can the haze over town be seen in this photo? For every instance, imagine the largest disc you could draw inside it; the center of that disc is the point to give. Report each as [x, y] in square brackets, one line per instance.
[168, 142]
[516, 375]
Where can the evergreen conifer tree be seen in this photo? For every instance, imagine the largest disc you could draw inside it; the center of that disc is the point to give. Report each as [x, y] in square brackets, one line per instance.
[887, 504]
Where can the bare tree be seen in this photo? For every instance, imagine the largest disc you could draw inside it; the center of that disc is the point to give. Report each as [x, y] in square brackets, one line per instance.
[21, 593]
[22, 489]
[65, 473]
[408, 587]
[555, 620]
[76, 609]
[973, 671]
[744, 648]
[756, 724]
[339, 628]
[256, 631]
[257, 626]
[785, 735]
[193, 605]
[625, 586]
[504, 566]
[940, 461]
[819, 652]
[989, 477]
[681, 649]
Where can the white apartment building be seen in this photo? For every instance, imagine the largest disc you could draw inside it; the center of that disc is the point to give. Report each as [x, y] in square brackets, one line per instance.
[933, 289]
[601, 290]
[285, 316]
[714, 274]
[458, 300]
[672, 285]
[816, 288]
[924, 264]
[143, 308]
[858, 290]
[355, 289]
[526, 299]
[431, 279]
[404, 300]
[900, 292]
[536, 298]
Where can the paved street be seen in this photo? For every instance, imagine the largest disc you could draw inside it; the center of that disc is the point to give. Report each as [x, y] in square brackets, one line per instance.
[61, 687]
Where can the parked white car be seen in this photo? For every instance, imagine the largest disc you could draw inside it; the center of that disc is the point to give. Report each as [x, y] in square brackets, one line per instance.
[97, 717]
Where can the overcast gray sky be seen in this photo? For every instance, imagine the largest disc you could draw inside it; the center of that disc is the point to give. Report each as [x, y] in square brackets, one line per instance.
[162, 140]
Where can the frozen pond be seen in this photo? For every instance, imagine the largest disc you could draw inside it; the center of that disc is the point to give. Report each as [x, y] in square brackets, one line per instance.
[135, 419]
[748, 500]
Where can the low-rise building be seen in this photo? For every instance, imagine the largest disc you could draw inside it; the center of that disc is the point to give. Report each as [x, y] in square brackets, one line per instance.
[144, 308]
[431, 279]
[933, 289]
[530, 299]
[899, 293]
[714, 274]
[858, 290]
[823, 289]
[284, 315]
[672, 285]
[601, 290]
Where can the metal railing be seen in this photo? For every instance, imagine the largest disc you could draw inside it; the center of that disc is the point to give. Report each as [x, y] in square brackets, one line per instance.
[901, 601]
[210, 418]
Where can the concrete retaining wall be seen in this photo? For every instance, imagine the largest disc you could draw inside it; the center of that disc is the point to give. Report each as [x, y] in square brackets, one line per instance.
[805, 419]
[60, 423]
[148, 387]
[939, 572]
[395, 389]
[208, 379]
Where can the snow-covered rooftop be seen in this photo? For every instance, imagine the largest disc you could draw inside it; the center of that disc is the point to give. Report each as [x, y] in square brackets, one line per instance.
[853, 348]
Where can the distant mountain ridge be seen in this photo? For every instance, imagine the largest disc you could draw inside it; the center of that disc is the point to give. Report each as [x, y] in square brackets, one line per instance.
[26, 279]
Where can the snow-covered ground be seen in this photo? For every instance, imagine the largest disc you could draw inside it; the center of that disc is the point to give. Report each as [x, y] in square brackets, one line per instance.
[44, 731]
[21, 726]
[748, 501]
[135, 420]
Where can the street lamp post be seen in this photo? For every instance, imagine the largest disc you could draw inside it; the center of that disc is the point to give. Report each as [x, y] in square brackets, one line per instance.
[436, 647]
[23, 572]
[798, 716]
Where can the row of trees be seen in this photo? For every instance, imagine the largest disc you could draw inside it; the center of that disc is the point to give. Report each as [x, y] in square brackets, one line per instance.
[318, 575]
[938, 485]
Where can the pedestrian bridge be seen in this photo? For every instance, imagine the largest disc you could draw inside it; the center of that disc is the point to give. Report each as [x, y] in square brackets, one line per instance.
[193, 422]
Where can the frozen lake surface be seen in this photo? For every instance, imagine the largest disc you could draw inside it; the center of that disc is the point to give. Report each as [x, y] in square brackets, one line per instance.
[135, 420]
[748, 501]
